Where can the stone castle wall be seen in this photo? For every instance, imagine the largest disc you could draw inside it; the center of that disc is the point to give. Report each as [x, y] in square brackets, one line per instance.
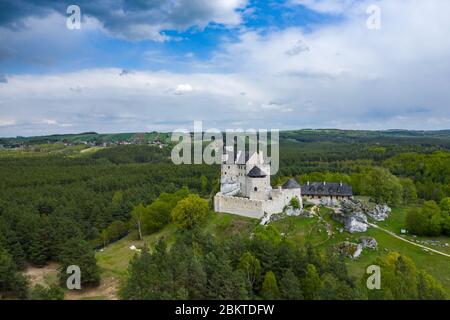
[255, 208]
[238, 205]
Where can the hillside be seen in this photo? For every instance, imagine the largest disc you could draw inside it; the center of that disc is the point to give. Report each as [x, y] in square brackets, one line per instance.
[304, 135]
[115, 257]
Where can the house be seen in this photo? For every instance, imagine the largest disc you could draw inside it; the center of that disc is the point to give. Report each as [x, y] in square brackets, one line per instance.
[330, 190]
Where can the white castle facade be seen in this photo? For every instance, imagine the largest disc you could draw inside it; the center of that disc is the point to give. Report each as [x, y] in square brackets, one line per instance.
[245, 188]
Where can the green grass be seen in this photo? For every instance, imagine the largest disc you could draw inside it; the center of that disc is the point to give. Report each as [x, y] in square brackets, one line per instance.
[397, 221]
[224, 225]
[435, 264]
[43, 150]
[302, 230]
[114, 258]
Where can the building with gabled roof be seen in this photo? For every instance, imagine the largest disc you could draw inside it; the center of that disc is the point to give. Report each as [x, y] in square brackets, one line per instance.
[332, 190]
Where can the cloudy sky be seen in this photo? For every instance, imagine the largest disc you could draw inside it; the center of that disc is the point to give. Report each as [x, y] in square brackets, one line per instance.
[161, 64]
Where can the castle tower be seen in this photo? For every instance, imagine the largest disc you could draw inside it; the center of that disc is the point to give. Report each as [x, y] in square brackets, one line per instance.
[257, 183]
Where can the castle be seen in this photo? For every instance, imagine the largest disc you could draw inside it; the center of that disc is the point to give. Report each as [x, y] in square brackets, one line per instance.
[245, 188]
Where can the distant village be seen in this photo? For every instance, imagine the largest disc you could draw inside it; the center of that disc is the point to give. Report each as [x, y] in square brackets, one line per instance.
[89, 143]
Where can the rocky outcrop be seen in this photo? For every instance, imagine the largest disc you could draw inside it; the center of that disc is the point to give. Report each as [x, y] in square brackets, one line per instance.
[369, 243]
[352, 216]
[350, 249]
[349, 206]
[266, 219]
[354, 250]
[380, 212]
[328, 202]
[290, 211]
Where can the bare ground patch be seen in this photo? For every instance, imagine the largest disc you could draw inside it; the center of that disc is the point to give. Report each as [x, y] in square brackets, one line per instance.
[45, 275]
[107, 290]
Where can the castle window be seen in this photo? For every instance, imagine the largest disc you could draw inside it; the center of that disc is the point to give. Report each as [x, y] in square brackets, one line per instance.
[255, 189]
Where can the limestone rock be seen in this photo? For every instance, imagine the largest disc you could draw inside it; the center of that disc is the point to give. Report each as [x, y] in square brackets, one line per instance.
[356, 223]
[368, 242]
[328, 202]
[290, 211]
[350, 249]
[380, 212]
[354, 250]
[351, 214]
[266, 219]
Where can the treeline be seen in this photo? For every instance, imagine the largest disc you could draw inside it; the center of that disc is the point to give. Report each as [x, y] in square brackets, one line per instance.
[264, 265]
[431, 219]
[198, 266]
[430, 173]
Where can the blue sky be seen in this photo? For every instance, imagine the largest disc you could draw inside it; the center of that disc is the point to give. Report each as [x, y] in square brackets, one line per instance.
[102, 49]
[161, 64]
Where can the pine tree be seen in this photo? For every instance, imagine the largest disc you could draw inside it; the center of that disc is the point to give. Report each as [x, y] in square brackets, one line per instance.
[269, 288]
[12, 284]
[78, 252]
[290, 286]
[311, 284]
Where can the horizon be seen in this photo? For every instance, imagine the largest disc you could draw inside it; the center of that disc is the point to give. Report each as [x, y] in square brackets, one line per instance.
[203, 131]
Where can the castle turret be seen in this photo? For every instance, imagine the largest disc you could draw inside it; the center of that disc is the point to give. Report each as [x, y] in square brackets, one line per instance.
[257, 182]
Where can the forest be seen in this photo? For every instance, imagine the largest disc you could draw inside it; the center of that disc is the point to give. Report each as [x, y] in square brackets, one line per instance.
[62, 207]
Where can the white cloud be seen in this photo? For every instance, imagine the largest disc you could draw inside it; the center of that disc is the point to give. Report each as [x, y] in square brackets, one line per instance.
[348, 77]
[7, 122]
[183, 88]
[351, 74]
[134, 20]
[49, 121]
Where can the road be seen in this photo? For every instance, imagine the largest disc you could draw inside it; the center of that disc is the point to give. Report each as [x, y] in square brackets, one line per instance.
[406, 240]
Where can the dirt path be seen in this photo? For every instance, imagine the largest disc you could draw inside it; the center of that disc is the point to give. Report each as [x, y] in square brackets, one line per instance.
[411, 242]
[315, 210]
[107, 290]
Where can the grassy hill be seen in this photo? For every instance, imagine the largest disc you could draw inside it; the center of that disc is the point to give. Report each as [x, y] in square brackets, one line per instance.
[441, 137]
[89, 137]
[114, 259]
